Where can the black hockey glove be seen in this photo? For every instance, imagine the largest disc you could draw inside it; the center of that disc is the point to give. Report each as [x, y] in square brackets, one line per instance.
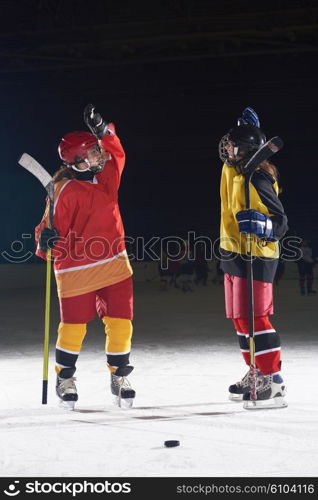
[48, 238]
[95, 122]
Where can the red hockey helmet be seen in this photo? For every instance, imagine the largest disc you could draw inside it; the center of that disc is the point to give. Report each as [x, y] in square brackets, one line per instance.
[74, 145]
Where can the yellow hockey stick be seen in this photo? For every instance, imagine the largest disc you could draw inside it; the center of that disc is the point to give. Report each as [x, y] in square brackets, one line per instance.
[46, 180]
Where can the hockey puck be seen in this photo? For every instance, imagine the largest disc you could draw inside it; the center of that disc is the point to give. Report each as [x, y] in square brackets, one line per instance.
[171, 443]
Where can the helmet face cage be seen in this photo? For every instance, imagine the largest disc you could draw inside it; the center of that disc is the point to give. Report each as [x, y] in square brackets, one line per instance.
[85, 158]
[242, 142]
[224, 151]
[77, 147]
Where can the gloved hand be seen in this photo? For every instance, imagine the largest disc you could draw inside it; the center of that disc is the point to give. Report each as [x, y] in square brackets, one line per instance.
[48, 238]
[254, 222]
[249, 117]
[95, 122]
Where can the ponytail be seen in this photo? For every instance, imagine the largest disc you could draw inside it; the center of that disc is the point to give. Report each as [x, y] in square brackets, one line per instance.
[64, 173]
[270, 169]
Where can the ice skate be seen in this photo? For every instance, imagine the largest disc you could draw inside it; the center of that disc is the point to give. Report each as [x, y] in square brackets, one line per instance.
[242, 387]
[66, 392]
[120, 387]
[270, 393]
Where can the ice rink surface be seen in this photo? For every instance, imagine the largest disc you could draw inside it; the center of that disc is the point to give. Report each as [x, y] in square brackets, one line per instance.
[185, 355]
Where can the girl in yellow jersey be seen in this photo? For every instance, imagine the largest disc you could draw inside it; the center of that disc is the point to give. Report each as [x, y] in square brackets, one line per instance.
[267, 221]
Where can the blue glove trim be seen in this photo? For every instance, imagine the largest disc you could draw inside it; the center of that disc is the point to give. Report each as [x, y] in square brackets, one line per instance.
[254, 222]
[249, 117]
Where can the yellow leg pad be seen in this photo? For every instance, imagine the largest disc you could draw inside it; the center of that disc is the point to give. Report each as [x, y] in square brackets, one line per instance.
[118, 335]
[71, 336]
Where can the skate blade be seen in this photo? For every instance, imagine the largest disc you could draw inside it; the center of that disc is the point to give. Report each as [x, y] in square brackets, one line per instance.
[124, 403]
[265, 404]
[236, 397]
[67, 405]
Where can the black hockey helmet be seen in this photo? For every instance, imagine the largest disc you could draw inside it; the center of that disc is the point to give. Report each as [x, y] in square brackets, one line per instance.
[240, 143]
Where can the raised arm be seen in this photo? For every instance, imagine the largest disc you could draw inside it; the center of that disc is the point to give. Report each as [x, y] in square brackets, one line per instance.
[115, 159]
[110, 144]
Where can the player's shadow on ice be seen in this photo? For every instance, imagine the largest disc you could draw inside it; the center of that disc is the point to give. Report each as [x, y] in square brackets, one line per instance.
[130, 412]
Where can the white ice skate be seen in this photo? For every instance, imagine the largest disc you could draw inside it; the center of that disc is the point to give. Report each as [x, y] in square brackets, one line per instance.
[66, 392]
[242, 387]
[120, 387]
[270, 394]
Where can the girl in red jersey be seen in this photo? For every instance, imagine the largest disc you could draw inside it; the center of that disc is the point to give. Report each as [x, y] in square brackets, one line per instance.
[91, 266]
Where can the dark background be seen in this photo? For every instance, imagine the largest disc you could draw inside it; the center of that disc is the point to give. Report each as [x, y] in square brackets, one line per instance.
[173, 76]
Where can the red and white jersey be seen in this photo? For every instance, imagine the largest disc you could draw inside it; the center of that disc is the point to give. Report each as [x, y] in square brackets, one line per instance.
[90, 253]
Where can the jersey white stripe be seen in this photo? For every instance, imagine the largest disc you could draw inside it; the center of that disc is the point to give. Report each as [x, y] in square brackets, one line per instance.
[262, 352]
[256, 333]
[267, 350]
[62, 366]
[265, 331]
[87, 266]
[118, 353]
[65, 350]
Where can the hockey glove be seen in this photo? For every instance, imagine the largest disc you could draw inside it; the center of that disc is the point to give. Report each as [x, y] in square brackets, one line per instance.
[249, 117]
[254, 222]
[95, 122]
[48, 238]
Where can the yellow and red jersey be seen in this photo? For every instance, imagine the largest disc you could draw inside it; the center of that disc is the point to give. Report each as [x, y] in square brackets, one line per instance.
[233, 245]
[90, 253]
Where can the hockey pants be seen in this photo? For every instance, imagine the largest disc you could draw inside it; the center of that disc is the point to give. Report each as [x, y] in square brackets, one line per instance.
[114, 305]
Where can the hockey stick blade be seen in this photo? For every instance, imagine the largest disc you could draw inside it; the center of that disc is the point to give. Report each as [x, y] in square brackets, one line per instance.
[36, 169]
[270, 147]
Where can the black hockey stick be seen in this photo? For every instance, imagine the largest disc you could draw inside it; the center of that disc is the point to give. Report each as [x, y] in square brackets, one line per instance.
[46, 180]
[270, 147]
[266, 151]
